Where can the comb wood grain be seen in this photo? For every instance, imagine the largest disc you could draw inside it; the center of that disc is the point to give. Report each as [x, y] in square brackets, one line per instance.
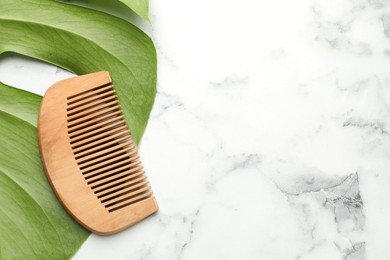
[89, 156]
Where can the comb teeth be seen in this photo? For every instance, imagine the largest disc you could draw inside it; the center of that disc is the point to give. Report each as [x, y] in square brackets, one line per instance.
[104, 149]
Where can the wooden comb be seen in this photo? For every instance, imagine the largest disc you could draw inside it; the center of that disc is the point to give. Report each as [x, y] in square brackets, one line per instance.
[89, 156]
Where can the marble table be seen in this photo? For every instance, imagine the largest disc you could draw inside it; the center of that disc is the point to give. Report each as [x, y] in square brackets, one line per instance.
[270, 134]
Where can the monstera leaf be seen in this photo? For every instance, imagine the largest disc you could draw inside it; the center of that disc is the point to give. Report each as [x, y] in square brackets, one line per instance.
[83, 41]
[33, 225]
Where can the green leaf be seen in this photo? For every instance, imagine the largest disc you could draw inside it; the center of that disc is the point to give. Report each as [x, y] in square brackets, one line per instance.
[33, 225]
[141, 7]
[19, 103]
[82, 40]
[128, 10]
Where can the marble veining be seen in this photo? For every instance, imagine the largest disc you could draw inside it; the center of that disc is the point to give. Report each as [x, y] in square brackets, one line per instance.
[269, 138]
[342, 199]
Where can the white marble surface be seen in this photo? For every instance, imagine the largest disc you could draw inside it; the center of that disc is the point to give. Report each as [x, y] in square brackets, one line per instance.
[270, 135]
